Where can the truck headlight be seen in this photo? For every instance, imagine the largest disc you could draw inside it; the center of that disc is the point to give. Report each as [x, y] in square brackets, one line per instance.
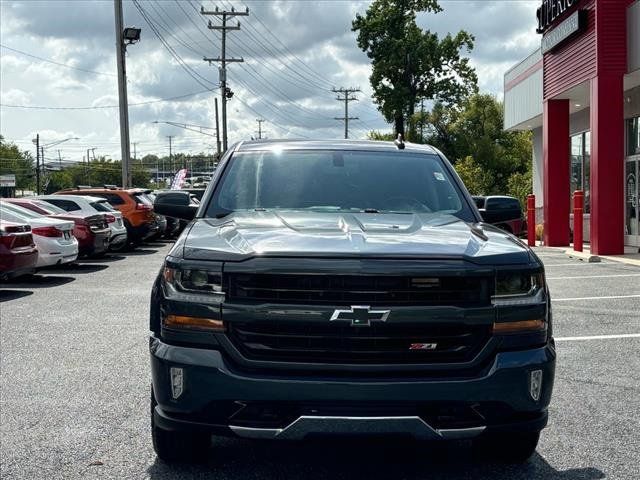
[193, 284]
[514, 284]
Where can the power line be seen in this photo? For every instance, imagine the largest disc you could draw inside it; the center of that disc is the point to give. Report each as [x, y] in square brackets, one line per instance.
[99, 107]
[189, 70]
[42, 59]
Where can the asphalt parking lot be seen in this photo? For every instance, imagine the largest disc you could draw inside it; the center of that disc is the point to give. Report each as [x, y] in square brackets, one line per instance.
[75, 387]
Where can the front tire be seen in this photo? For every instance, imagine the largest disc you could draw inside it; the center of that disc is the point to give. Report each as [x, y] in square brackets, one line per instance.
[177, 447]
[516, 447]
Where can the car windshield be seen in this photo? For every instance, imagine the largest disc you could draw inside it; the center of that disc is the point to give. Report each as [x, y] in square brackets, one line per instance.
[102, 206]
[19, 211]
[338, 181]
[142, 198]
[48, 207]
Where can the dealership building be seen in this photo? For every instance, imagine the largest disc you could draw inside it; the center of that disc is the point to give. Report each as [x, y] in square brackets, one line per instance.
[580, 96]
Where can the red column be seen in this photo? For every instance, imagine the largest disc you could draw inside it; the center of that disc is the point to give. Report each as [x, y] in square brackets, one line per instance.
[555, 139]
[607, 165]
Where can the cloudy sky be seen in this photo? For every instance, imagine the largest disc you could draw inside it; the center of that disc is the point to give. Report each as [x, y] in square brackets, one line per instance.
[294, 51]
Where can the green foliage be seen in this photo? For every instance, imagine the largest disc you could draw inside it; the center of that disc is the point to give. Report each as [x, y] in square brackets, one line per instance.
[20, 163]
[475, 130]
[101, 171]
[520, 185]
[379, 136]
[411, 64]
[477, 180]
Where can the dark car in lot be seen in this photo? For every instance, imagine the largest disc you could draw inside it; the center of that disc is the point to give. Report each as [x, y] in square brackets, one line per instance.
[502, 211]
[18, 252]
[174, 225]
[346, 288]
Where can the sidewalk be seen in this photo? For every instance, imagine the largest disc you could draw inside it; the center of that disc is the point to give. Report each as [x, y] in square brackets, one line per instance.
[630, 257]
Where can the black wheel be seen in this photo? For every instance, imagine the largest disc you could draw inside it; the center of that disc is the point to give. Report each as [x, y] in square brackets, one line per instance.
[177, 447]
[514, 447]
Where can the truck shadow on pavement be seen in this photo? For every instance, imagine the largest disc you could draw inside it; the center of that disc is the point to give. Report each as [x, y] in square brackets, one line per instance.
[358, 459]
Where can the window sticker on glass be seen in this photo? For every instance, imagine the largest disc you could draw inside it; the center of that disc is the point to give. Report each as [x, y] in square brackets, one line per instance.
[439, 176]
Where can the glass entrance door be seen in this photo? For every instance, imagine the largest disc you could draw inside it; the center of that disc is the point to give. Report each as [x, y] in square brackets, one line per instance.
[632, 206]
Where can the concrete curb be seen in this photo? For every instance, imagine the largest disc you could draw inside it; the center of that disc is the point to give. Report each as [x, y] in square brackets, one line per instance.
[584, 256]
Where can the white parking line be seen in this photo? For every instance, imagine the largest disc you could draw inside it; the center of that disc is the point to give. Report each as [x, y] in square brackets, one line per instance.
[592, 298]
[597, 337]
[547, 265]
[594, 276]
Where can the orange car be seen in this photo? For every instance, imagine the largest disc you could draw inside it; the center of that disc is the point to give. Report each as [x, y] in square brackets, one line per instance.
[136, 208]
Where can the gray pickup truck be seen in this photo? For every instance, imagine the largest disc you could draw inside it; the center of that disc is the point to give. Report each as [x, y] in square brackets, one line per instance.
[346, 288]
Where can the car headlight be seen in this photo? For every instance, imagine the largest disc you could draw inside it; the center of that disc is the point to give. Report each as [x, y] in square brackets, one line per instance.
[518, 284]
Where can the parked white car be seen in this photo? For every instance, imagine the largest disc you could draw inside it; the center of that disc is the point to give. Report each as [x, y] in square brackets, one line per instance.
[54, 238]
[88, 205]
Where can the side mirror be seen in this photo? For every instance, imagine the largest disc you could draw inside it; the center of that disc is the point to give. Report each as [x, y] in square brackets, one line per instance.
[183, 212]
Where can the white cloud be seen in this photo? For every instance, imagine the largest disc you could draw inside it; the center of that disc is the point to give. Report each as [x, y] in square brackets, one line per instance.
[295, 53]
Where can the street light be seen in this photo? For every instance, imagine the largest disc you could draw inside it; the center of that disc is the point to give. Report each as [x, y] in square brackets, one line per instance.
[131, 35]
[124, 37]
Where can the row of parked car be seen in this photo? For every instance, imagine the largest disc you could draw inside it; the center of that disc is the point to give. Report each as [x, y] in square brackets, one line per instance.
[48, 230]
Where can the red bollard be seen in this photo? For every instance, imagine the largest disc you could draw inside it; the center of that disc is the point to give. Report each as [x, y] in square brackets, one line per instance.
[578, 207]
[531, 220]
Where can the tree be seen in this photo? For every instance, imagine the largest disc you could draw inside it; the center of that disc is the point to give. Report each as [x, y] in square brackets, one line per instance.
[472, 133]
[20, 163]
[411, 64]
[379, 136]
[477, 180]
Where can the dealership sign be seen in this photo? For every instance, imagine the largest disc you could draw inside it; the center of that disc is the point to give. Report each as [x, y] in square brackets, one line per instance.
[551, 10]
[8, 180]
[572, 25]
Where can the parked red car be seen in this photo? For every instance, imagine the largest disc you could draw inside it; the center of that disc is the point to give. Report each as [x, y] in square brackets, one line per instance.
[18, 253]
[91, 231]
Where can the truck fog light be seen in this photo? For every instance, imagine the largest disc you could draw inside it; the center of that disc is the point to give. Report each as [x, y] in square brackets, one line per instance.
[177, 381]
[535, 384]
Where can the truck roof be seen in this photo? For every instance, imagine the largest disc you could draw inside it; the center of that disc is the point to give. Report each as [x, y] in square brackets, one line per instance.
[371, 145]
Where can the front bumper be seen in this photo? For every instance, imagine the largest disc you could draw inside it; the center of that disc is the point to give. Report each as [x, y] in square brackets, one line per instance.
[216, 399]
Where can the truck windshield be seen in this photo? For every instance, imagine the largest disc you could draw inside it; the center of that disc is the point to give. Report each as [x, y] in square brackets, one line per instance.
[355, 181]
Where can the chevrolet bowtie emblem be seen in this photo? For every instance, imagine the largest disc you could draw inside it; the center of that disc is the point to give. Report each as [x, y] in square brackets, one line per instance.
[360, 315]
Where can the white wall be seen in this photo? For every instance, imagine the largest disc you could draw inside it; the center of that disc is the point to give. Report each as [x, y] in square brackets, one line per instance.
[524, 101]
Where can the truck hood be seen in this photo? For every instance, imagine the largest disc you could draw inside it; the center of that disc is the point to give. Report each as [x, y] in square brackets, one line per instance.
[243, 235]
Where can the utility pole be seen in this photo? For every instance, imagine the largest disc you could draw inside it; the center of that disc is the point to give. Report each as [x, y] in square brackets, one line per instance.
[223, 60]
[217, 129]
[259, 120]
[170, 154]
[59, 159]
[134, 151]
[37, 164]
[422, 120]
[42, 160]
[130, 35]
[346, 98]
